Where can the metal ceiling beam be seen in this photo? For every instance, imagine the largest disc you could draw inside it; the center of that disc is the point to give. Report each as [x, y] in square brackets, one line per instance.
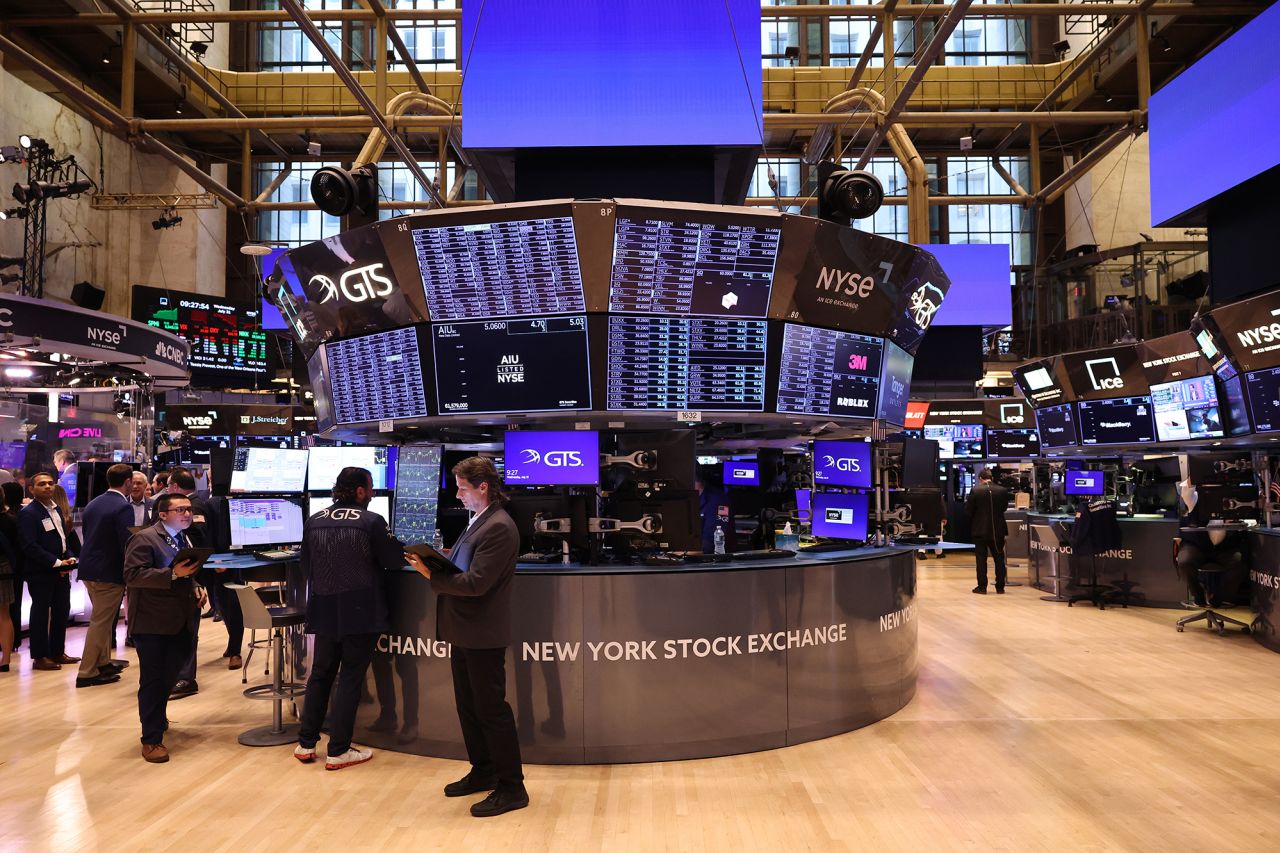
[313, 33]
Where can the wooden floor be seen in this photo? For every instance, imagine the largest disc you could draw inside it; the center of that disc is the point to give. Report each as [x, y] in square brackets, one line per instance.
[1036, 727]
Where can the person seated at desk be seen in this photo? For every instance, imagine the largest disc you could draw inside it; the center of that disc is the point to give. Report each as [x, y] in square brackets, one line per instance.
[1225, 551]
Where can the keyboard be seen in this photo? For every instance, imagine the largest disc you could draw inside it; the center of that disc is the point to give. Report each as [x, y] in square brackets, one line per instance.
[661, 560]
[277, 554]
[823, 547]
[534, 557]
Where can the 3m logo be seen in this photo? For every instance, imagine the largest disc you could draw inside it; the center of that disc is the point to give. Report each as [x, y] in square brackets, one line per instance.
[1011, 413]
[553, 458]
[925, 303]
[1104, 373]
[358, 285]
[857, 362]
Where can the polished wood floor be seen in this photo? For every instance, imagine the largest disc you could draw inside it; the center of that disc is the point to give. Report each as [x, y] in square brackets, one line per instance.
[1036, 727]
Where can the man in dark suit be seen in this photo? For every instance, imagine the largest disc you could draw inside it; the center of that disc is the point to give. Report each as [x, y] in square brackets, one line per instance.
[345, 550]
[138, 500]
[985, 507]
[473, 613]
[107, 520]
[50, 548]
[162, 597]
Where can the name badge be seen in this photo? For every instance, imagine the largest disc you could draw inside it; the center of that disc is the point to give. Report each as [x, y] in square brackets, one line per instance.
[48, 525]
[197, 519]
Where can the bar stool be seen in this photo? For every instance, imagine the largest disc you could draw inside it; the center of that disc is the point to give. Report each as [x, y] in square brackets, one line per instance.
[1044, 534]
[272, 595]
[258, 616]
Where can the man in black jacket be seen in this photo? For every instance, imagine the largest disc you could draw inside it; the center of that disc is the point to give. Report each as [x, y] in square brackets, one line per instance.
[51, 548]
[345, 549]
[473, 613]
[985, 507]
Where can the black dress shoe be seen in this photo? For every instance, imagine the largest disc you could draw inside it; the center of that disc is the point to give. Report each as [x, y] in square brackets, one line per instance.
[500, 802]
[470, 784]
[118, 663]
[999, 590]
[184, 688]
[980, 590]
[95, 680]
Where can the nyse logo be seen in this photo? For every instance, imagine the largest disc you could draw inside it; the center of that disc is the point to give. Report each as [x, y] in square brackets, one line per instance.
[554, 458]
[839, 515]
[1261, 335]
[845, 283]
[358, 285]
[204, 421]
[1011, 413]
[111, 337]
[510, 369]
[1104, 373]
[925, 303]
[847, 464]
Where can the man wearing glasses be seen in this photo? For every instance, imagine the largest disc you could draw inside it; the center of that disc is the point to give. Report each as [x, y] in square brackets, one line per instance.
[162, 597]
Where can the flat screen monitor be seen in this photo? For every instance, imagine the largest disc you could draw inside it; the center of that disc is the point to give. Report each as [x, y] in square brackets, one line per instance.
[842, 463]
[979, 293]
[895, 383]
[1082, 482]
[228, 346]
[1238, 422]
[709, 265]
[1012, 443]
[268, 470]
[686, 364]
[381, 504]
[829, 373]
[417, 497]
[517, 268]
[325, 463]
[1057, 426]
[376, 377]
[1121, 420]
[804, 503]
[742, 472]
[840, 516]
[957, 441]
[498, 366]
[552, 458]
[1262, 388]
[264, 522]
[676, 453]
[1187, 408]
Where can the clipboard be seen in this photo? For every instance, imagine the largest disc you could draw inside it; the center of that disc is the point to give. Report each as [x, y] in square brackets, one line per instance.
[436, 562]
[198, 555]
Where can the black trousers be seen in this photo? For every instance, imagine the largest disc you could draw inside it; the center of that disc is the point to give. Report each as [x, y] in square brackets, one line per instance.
[981, 546]
[50, 607]
[488, 726]
[15, 609]
[347, 660]
[225, 602]
[160, 656]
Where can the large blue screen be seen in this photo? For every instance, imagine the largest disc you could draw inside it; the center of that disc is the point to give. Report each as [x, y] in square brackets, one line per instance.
[1215, 125]
[550, 73]
[980, 284]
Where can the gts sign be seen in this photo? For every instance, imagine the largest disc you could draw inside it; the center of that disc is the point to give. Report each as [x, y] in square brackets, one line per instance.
[358, 285]
[554, 458]
[842, 463]
[341, 514]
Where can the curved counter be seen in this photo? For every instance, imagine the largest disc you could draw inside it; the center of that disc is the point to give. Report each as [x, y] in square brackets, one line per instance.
[636, 663]
[1264, 583]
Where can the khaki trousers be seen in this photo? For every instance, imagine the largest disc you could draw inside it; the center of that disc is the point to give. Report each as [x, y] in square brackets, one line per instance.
[98, 642]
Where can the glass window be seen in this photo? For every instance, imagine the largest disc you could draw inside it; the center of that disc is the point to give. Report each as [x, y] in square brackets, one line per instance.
[294, 227]
[848, 37]
[988, 223]
[988, 41]
[787, 171]
[284, 47]
[433, 44]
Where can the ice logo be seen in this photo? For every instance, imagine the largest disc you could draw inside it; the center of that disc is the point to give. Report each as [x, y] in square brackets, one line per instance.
[925, 302]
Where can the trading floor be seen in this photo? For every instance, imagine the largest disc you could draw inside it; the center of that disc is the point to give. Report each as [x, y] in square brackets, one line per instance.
[1036, 727]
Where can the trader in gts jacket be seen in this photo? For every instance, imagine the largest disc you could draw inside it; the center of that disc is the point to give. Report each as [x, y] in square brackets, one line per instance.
[473, 613]
[985, 507]
[345, 550]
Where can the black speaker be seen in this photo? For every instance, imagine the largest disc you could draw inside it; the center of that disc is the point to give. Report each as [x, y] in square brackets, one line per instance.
[87, 295]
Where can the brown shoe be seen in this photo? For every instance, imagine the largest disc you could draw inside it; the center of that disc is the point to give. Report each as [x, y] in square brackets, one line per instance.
[67, 659]
[45, 664]
[235, 662]
[155, 753]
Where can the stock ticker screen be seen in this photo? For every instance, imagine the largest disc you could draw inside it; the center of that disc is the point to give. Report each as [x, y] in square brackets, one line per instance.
[825, 372]
[664, 266]
[512, 365]
[523, 268]
[226, 338]
[376, 377]
[1121, 420]
[417, 497]
[686, 364]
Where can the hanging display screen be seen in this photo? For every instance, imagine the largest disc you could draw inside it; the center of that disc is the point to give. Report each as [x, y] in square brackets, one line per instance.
[824, 372]
[1012, 443]
[417, 496]
[228, 345]
[956, 441]
[1187, 408]
[376, 377]
[1057, 426]
[1124, 420]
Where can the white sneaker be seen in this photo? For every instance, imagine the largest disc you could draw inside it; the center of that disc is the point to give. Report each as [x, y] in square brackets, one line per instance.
[305, 754]
[350, 758]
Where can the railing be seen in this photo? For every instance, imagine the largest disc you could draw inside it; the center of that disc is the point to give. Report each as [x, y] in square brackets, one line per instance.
[182, 35]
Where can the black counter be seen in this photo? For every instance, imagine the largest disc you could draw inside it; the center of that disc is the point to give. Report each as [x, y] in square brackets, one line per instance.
[1018, 544]
[1143, 560]
[1264, 582]
[632, 663]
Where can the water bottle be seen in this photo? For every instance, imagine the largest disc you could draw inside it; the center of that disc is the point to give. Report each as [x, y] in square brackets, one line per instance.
[718, 538]
[437, 541]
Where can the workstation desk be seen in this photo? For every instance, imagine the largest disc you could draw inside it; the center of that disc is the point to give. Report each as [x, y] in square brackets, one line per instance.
[637, 663]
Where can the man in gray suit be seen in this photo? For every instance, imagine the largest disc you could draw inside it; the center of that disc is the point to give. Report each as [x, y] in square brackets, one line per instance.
[473, 613]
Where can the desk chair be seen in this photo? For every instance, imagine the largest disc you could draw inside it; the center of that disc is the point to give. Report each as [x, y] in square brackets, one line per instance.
[258, 616]
[1209, 573]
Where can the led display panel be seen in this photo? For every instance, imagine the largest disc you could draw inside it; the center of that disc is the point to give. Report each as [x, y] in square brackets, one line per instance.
[1238, 422]
[376, 377]
[840, 516]
[1057, 426]
[825, 372]
[226, 337]
[956, 441]
[417, 497]
[980, 285]
[895, 383]
[842, 463]
[686, 364]
[1187, 408]
[269, 470]
[552, 458]
[1040, 383]
[1012, 443]
[1105, 373]
[1262, 388]
[1123, 420]
[512, 365]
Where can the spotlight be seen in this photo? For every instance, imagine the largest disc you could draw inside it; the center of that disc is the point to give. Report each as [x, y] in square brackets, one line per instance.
[199, 48]
[1165, 47]
[168, 219]
[337, 192]
[846, 195]
[29, 142]
[106, 56]
[19, 372]
[24, 193]
[14, 213]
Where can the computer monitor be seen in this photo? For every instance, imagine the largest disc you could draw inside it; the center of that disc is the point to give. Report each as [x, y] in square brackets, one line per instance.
[842, 463]
[263, 470]
[551, 458]
[325, 463]
[264, 522]
[527, 507]
[1229, 468]
[1117, 420]
[676, 455]
[925, 512]
[1225, 503]
[1083, 482]
[741, 472]
[677, 514]
[840, 516]
[417, 499]
[1187, 408]
[381, 504]
[1057, 426]
[804, 504]
[957, 441]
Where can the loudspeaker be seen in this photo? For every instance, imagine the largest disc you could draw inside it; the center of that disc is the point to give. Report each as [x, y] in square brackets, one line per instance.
[87, 295]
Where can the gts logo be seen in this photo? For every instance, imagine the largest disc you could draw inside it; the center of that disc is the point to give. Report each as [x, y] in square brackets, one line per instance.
[554, 458]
